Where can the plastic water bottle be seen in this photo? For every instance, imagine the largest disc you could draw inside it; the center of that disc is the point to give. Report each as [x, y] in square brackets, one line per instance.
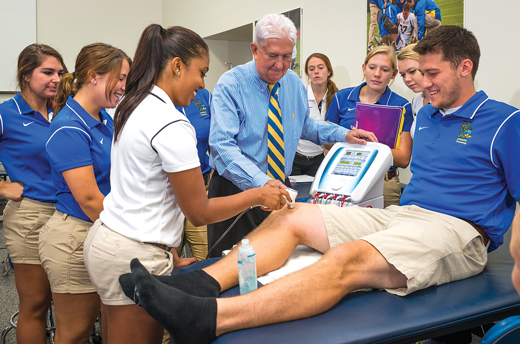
[246, 268]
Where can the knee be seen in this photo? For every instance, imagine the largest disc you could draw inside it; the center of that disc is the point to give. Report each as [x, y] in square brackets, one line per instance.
[36, 306]
[291, 219]
[346, 259]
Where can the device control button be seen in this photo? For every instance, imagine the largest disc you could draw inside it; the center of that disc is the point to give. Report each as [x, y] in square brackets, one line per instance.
[337, 184]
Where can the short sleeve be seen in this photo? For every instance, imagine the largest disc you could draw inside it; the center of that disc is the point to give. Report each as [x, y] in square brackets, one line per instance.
[333, 112]
[176, 145]
[408, 117]
[68, 148]
[505, 155]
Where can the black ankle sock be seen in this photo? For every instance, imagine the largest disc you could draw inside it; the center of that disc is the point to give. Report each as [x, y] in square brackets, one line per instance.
[188, 319]
[196, 283]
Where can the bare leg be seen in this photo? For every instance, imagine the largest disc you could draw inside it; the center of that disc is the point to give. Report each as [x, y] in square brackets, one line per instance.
[346, 268]
[104, 323]
[75, 316]
[131, 324]
[515, 251]
[301, 226]
[34, 292]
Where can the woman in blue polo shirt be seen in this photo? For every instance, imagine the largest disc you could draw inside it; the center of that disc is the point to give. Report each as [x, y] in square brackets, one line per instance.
[24, 129]
[78, 147]
[379, 68]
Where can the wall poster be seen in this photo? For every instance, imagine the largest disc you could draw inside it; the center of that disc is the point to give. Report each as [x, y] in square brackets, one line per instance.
[401, 22]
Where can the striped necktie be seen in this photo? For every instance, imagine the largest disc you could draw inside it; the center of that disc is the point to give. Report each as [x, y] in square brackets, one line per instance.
[275, 155]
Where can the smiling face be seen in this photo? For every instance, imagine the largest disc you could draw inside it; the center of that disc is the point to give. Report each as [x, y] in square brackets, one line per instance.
[378, 72]
[118, 91]
[273, 59]
[43, 81]
[441, 81]
[191, 80]
[317, 71]
[412, 76]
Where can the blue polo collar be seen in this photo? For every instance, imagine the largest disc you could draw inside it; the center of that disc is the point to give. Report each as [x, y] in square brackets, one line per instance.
[383, 100]
[83, 115]
[469, 109]
[24, 108]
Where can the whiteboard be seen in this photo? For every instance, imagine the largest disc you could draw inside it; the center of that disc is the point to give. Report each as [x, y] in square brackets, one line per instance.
[17, 30]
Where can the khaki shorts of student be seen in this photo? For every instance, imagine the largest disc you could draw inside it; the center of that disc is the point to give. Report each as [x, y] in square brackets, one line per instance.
[23, 221]
[108, 255]
[61, 254]
[429, 248]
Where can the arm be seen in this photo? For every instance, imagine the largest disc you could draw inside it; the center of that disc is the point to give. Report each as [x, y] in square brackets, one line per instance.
[82, 183]
[190, 193]
[515, 251]
[419, 13]
[415, 28]
[11, 190]
[333, 112]
[403, 153]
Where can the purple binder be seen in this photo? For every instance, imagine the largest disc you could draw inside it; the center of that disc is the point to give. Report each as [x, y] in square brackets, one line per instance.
[384, 121]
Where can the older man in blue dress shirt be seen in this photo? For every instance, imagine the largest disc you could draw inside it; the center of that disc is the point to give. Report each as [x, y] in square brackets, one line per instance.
[239, 124]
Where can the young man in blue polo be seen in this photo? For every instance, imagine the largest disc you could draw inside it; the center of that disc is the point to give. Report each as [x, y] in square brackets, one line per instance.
[459, 203]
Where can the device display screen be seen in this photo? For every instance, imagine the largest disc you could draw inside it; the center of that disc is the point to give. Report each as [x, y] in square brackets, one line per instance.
[351, 163]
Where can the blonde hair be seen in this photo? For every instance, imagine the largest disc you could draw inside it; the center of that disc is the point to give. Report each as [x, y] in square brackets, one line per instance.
[408, 53]
[383, 49]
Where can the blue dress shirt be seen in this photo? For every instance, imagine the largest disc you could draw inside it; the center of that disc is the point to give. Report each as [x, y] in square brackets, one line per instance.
[238, 135]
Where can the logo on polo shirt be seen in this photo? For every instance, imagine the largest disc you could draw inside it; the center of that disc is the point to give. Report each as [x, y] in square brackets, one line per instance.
[202, 107]
[465, 133]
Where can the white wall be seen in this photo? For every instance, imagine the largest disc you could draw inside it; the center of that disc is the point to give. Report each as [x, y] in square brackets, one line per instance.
[498, 74]
[221, 52]
[68, 25]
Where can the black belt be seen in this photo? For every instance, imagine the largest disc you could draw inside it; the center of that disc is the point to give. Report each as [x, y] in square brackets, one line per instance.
[391, 174]
[308, 157]
[479, 229]
[161, 246]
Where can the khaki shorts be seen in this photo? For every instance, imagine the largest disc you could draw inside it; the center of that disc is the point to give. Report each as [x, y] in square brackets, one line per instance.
[22, 223]
[429, 248]
[61, 254]
[108, 255]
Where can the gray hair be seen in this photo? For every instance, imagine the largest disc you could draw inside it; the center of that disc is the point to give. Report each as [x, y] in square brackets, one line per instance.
[274, 26]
